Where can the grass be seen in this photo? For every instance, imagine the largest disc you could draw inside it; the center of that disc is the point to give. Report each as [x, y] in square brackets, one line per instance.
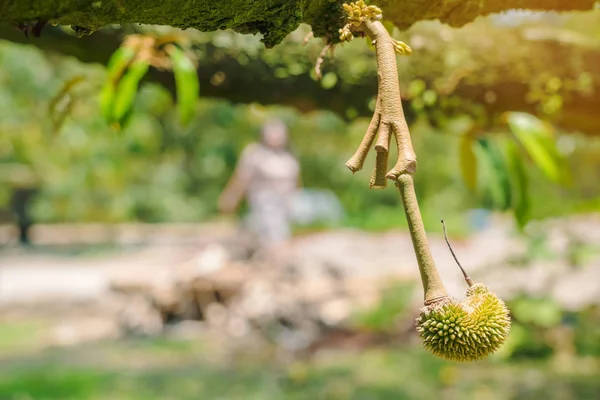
[176, 369]
[21, 337]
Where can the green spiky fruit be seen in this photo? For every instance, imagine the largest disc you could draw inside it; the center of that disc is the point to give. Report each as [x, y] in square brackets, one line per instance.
[465, 331]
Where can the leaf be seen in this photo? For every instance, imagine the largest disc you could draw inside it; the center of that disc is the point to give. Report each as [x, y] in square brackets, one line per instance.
[186, 80]
[61, 104]
[127, 89]
[498, 180]
[468, 162]
[536, 138]
[65, 90]
[18, 175]
[116, 66]
[544, 312]
[520, 183]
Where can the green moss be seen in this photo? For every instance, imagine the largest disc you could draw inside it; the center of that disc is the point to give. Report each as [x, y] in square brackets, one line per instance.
[326, 17]
[274, 19]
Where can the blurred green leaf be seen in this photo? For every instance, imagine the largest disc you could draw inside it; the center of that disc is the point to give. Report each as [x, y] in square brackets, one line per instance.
[468, 162]
[18, 175]
[64, 91]
[186, 79]
[61, 104]
[520, 183]
[536, 138]
[127, 89]
[329, 80]
[498, 178]
[416, 87]
[429, 97]
[116, 66]
[544, 312]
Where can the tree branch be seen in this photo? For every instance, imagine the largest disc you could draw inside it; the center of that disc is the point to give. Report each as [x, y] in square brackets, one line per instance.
[274, 19]
[495, 67]
[458, 13]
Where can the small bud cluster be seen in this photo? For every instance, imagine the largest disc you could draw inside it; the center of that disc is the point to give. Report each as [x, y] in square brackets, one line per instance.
[357, 13]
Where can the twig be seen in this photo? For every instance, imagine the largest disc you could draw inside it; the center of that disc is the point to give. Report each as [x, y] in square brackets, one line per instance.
[467, 278]
[310, 35]
[320, 60]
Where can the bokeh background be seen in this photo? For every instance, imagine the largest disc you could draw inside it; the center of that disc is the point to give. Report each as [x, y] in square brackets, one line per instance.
[125, 282]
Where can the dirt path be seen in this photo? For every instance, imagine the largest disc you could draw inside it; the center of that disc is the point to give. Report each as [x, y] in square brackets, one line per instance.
[49, 272]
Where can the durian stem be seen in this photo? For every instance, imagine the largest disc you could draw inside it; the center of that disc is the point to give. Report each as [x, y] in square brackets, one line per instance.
[389, 100]
[389, 117]
[391, 112]
[432, 283]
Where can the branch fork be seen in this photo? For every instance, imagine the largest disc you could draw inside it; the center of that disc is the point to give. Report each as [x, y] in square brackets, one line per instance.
[388, 120]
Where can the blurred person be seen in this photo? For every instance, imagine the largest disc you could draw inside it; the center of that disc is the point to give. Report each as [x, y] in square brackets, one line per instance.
[268, 176]
[20, 206]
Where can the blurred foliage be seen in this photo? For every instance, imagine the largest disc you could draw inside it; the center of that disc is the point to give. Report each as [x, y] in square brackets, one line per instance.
[54, 137]
[130, 63]
[500, 160]
[543, 330]
[393, 304]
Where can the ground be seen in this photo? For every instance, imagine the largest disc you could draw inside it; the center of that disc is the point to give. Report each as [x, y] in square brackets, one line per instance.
[193, 361]
[171, 368]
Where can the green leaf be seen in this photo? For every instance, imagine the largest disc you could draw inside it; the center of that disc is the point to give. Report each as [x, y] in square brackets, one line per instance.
[536, 138]
[127, 89]
[468, 162]
[544, 312]
[496, 177]
[188, 87]
[520, 183]
[66, 88]
[119, 61]
[61, 104]
[107, 95]
[116, 66]
[329, 80]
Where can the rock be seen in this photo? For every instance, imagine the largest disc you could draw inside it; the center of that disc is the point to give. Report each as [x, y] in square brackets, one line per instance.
[333, 312]
[237, 326]
[216, 314]
[138, 316]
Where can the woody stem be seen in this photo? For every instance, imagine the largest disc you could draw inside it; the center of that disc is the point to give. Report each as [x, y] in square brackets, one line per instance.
[432, 283]
[392, 114]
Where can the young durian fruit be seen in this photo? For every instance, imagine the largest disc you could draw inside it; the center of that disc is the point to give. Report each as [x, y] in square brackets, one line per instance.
[468, 330]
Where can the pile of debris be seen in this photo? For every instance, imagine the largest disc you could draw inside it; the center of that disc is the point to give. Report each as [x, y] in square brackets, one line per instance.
[287, 305]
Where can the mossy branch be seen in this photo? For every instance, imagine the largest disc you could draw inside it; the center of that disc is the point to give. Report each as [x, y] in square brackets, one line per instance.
[274, 19]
